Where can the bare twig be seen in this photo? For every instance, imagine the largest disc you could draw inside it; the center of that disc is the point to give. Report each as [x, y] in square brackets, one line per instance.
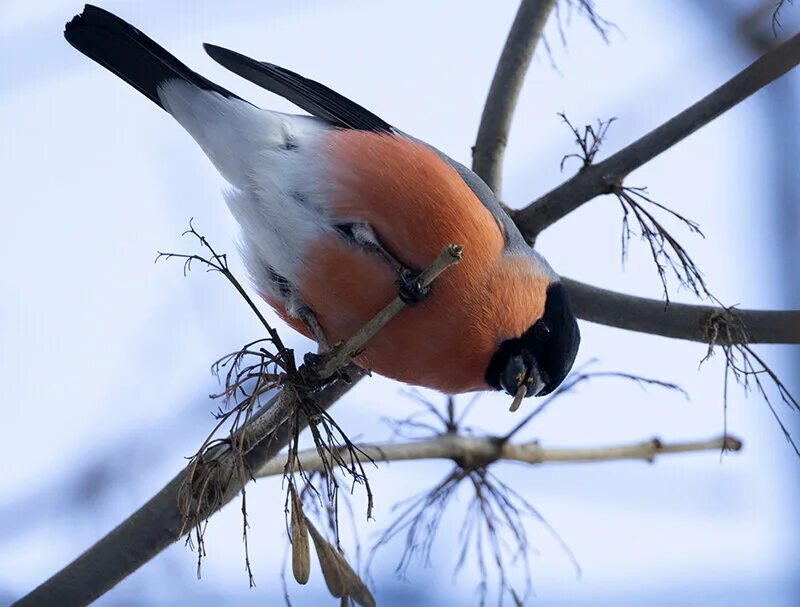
[219, 263]
[600, 178]
[492, 448]
[587, 9]
[588, 141]
[490, 144]
[493, 531]
[667, 252]
[747, 368]
[776, 15]
[494, 524]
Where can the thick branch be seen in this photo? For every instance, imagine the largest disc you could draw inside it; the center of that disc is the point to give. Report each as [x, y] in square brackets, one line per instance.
[597, 179]
[680, 321]
[472, 450]
[154, 526]
[490, 145]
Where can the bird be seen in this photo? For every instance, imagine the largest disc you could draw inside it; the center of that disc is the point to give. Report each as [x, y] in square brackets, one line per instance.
[339, 209]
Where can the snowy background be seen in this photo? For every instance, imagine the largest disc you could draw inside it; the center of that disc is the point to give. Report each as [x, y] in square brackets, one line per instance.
[104, 356]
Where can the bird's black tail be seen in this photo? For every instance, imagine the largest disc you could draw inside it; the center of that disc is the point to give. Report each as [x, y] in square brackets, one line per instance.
[128, 53]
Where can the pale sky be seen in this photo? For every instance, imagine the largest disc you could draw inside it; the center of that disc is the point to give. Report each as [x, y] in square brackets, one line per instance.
[106, 355]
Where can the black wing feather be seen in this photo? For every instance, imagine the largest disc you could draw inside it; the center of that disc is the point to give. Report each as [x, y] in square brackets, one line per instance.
[124, 50]
[313, 97]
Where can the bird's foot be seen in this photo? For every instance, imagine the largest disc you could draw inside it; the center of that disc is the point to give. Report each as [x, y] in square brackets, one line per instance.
[312, 360]
[410, 289]
[320, 368]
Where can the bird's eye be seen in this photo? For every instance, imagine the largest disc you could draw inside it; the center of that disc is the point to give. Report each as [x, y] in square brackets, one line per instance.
[541, 330]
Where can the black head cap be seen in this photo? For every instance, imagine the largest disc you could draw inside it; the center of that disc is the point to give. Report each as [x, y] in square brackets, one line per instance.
[544, 354]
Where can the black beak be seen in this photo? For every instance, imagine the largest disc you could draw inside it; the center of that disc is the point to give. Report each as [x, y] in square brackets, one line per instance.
[522, 370]
[513, 376]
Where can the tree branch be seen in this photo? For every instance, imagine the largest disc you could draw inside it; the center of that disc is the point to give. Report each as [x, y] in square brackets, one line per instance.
[490, 144]
[480, 450]
[154, 526]
[679, 321]
[599, 178]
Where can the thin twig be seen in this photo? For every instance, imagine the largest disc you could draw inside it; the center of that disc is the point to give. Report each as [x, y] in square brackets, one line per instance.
[493, 448]
[587, 9]
[588, 141]
[776, 15]
[747, 368]
[667, 252]
[219, 263]
[493, 531]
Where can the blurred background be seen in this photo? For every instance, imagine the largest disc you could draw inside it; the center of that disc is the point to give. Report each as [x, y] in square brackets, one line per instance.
[104, 356]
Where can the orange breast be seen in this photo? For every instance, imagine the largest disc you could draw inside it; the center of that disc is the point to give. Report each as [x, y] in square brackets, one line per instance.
[416, 203]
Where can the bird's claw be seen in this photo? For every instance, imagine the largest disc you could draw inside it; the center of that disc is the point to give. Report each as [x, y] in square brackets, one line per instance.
[312, 360]
[410, 289]
[311, 371]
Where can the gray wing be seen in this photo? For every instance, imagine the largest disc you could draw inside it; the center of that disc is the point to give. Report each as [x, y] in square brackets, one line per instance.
[513, 238]
[514, 242]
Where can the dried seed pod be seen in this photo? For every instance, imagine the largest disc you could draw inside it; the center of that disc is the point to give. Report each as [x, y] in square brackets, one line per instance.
[356, 588]
[301, 551]
[329, 561]
[342, 581]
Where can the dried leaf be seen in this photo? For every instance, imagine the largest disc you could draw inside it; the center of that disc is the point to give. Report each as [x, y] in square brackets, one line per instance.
[301, 551]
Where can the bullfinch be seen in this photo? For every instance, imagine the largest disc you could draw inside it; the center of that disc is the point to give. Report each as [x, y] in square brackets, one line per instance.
[338, 208]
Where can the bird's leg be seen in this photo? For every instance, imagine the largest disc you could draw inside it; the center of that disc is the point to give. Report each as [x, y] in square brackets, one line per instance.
[310, 321]
[312, 361]
[300, 310]
[408, 286]
[296, 307]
